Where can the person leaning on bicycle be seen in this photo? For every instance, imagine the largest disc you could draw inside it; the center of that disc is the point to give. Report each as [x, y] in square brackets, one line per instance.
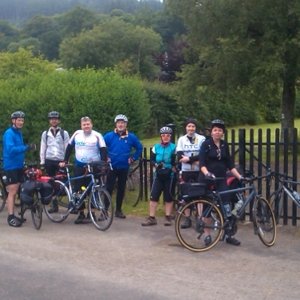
[89, 147]
[188, 148]
[163, 159]
[215, 161]
[54, 142]
[13, 162]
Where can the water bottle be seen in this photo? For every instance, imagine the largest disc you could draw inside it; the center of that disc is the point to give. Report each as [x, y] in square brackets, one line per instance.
[296, 196]
[238, 205]
[227, 210]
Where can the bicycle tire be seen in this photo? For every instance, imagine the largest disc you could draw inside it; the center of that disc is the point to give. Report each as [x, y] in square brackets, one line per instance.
[206, 218]
[264, 221]
[60, 199]
[101, 208]
[36, 211]
[3, 195]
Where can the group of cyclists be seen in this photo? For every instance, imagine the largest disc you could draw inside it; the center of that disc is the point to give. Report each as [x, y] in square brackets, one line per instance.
[119, 146]
[199, 159]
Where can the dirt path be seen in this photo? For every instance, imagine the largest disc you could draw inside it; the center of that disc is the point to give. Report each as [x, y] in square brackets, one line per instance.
[67, 261]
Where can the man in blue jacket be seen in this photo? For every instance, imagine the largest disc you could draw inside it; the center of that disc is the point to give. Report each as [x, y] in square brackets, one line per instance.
[13, 162]
[123, 149]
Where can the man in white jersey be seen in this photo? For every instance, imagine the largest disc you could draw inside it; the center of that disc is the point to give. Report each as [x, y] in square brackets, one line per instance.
[188, 148]
[89, 147]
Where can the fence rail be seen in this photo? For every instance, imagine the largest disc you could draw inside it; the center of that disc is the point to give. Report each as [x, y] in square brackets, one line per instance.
[255, 151]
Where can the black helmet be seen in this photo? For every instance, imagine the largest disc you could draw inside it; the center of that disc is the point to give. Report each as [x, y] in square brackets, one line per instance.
[166, 129]
[17, 114]
[218, 123]
[190, 120]
[53, 114]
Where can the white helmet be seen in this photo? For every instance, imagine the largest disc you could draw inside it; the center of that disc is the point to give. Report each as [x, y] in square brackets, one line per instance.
[121, 118]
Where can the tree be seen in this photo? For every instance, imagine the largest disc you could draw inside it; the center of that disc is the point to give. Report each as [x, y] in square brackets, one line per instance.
[245, 45]
[111, 43]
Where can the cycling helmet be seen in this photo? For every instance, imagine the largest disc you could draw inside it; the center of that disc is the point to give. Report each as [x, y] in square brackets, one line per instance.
[53, 114]
[190, 120]
[218, 123]
[17, 114]
[121, 118]
[166, 129]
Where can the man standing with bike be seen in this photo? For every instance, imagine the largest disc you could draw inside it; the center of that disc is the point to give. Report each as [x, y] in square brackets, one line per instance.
[54, 142]
[13, 162]
[120, 144]
[89, 148]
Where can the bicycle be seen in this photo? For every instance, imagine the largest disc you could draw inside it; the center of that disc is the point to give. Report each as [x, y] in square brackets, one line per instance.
[286, 185]
[100, 207]
[209, 215]
[32, 196]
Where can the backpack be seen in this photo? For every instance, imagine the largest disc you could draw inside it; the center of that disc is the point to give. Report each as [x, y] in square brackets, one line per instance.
[62, 133]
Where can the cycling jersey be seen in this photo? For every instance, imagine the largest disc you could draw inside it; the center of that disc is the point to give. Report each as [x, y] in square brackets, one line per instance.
[120, 148]
[164, 154]
[87, 147]
[190, 146]
[53, 147]
[13, 149]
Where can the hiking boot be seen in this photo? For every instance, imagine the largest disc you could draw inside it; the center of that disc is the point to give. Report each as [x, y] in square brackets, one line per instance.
[149, 221]
[13, 221]
[232, 241]
[119, 214]
[168, 221]
[80, 218]
[187, 223]
[207, 240]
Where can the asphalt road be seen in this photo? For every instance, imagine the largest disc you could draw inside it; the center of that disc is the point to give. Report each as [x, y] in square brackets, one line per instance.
[68, 261]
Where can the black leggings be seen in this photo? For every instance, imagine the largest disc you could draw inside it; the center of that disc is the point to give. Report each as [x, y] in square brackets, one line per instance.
[119, 175]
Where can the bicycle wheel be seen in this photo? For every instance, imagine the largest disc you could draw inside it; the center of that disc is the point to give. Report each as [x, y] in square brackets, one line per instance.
[36, 211]
[3, 195]
[101, 208]
[264, 221]
[58, 208]
[206, 219]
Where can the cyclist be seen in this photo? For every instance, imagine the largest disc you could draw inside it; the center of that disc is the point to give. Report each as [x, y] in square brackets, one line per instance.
[215, 161]
[13, 162]
[163, 159]
[54, 142]
[188, 148]
[120, 143]
[89, 147]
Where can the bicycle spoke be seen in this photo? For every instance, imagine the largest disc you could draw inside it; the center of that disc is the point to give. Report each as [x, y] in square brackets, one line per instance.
[205, 225]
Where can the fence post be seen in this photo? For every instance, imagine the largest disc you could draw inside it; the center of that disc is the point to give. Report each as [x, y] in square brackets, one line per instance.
[242, 150]
[173, 127]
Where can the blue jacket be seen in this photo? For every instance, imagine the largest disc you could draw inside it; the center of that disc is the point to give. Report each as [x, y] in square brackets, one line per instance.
[121, 148]
[13, 149]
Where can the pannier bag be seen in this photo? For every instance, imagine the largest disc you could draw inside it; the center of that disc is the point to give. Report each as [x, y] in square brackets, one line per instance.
[99, 168]
[27, 191]
[192, 190]
[46, 191]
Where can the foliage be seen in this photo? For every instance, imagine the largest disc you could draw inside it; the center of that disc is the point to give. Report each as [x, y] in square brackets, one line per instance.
[98, 94]
[248, 46]
[111, 43]
[22, 63]
[164, 108]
